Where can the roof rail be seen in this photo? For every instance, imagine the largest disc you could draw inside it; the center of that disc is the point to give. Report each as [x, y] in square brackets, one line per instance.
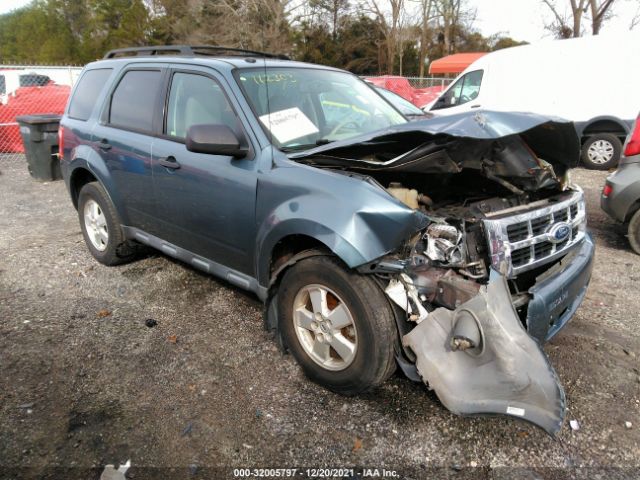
[187, 51]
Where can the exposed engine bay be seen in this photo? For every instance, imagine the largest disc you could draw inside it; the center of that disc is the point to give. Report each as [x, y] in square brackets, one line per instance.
[476, 285]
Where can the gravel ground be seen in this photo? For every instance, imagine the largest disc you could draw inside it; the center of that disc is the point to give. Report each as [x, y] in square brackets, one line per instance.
[84, 382]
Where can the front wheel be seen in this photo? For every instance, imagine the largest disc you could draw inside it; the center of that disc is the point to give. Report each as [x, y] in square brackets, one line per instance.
[634, 232]
[337, 324]
[601, 151]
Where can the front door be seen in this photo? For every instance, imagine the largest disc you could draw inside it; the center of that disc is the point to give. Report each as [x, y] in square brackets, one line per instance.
[205, 202]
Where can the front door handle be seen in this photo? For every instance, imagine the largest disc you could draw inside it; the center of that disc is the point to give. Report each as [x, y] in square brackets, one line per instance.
[103, 144]
[169, 162]
[475, 106]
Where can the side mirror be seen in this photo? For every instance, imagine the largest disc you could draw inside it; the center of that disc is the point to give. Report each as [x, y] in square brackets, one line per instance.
[214, 140]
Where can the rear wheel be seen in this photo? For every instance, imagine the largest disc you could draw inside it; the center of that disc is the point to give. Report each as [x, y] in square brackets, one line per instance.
[601, 151]
[634, 232]
[101, 228]
[337, 324]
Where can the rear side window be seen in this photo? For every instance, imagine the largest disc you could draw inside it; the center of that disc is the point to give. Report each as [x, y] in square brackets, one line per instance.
[86, 92]
[134, 100]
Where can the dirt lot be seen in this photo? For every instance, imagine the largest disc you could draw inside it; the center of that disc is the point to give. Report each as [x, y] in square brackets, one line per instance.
[84, 382]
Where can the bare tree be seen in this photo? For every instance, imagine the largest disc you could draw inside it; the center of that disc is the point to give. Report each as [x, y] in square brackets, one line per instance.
[635, 21]
[388, 17]
[570, 25]
[566, 26]
[426, 15]
[449, 14]
[599, 12]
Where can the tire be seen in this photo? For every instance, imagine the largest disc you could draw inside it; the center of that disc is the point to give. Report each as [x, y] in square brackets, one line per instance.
[97, 213]
[601, 151]
[634, 232]
[372, 331]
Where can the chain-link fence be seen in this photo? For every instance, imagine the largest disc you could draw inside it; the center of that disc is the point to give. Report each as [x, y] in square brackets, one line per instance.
[419, 82]
[420, 91]
[429, 82]
[28, 90]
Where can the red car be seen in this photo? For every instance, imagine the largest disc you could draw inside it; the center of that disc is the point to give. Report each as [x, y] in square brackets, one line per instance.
[400, 85]
[26, 94]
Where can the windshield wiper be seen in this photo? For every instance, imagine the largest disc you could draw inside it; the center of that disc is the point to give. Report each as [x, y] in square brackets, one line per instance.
[307, 146]
[298, 148]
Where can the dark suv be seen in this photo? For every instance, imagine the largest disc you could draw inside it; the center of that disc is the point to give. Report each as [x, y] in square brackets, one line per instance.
[452, 247]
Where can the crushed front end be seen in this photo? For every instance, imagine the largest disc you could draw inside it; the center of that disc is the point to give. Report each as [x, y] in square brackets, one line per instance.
[502, 265]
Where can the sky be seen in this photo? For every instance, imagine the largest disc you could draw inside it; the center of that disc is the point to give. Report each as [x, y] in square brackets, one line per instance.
[525, 19]
[519, 19]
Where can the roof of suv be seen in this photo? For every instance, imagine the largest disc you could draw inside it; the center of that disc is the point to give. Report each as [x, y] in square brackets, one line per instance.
[231, 59]
[228, 63]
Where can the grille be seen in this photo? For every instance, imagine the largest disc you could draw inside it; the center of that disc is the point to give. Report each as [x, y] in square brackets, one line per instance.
[527, 240]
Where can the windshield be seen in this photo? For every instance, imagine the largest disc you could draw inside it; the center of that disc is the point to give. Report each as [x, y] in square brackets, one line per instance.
[302, 108]
[402, 104]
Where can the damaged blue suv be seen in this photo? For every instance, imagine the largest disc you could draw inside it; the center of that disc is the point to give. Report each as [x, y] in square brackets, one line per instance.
[451, 247]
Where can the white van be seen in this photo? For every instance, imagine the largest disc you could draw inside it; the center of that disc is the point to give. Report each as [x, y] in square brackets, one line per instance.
[593, 81]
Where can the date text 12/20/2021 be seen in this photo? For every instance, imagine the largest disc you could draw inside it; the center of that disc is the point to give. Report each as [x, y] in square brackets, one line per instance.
[314, 473]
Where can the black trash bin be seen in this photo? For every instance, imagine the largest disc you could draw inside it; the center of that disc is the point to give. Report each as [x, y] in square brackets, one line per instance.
[40, 139]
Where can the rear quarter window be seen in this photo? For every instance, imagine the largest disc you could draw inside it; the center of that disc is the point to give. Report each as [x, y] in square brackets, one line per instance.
[89, 87]
[134, 99]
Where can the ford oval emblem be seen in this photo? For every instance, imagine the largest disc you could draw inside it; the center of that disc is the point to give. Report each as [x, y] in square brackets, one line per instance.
[559, 232]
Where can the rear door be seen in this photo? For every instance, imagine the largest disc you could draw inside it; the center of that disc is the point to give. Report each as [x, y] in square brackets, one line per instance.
[123, 138]
[205, 202]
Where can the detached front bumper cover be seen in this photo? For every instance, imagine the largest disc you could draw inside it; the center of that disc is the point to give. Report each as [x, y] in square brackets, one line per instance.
[503, 370]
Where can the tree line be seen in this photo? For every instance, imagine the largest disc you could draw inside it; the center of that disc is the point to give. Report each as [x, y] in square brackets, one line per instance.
[363, 36]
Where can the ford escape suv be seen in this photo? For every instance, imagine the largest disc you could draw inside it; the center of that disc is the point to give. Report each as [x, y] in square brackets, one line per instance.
[451, 247]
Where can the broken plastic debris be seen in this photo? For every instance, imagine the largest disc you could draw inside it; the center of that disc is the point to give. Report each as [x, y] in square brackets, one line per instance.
[574, 425]
[628, 425]
[506, 373]
[400, 292]
[150, 322]
[112, 473]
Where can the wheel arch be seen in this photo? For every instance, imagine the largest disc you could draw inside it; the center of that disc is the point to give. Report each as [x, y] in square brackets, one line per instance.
[78, 179]
[602, 124]
[282, 251]
[633, 208]
[88, 169]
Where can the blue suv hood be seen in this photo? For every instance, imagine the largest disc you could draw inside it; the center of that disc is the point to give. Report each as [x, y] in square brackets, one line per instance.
[527, 149]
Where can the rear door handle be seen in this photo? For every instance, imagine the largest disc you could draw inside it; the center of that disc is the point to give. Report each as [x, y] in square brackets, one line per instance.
[103, 144]
[169, 162]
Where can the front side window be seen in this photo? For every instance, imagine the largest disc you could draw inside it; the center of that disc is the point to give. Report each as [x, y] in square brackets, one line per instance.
[84, 97]
[303, 107]
[196, 100]
[464, 90]
[134, 100]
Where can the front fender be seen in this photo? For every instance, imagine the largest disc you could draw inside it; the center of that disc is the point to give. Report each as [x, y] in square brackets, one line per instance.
[356, 219]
